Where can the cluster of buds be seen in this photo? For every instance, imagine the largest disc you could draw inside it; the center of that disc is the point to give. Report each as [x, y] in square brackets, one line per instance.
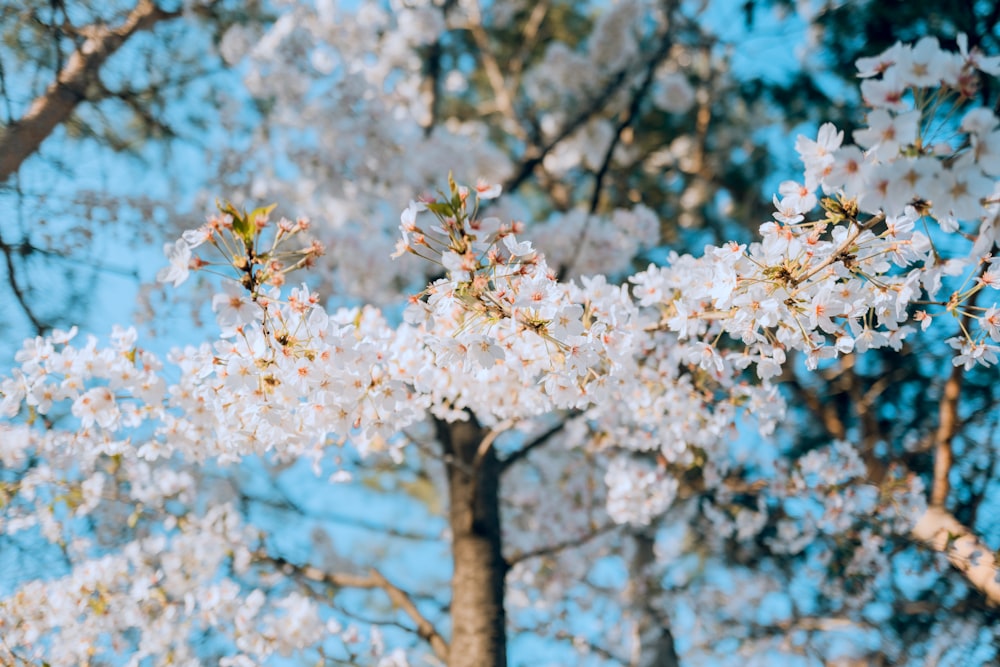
[494, 276]
[239, 238]
[261, 267]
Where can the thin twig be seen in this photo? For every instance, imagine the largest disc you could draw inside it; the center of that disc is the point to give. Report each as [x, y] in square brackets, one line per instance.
[487, 442]
[19, 294]
[626, 120]
[504, 101]
[531, 27]
[536, 154]
[531, 446]
[629, 116]
[838, 255]
[550, 549]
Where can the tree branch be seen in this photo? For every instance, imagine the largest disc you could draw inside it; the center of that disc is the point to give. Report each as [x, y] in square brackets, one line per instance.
[503, 98]
[938, 528]
[947, 428]
[623, 123]
[488, 440]
[431, 84]
[535, 154]
[515, 67]
[285, 503]
[949, 424]
[528, 448]
[629, 116]
[374, 579]
[941, 531]
[559, 546]
[824, 411]
[74, 84]
[39, 326]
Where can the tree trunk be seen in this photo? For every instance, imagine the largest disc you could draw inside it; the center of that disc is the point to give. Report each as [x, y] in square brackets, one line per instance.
[478, 622]
[655, 642]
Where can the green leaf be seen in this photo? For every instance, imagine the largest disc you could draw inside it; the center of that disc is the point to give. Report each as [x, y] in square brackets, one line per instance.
[241, 223]
[443, 209]
[243, 230]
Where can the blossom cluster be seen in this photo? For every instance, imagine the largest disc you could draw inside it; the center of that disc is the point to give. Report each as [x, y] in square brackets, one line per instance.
[847, 281]
[528, 344]
[502, 337]
[238, 237]
[352, 169]
[158, 591]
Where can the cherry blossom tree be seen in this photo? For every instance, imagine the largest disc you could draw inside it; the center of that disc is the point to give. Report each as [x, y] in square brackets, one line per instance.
[541, 384]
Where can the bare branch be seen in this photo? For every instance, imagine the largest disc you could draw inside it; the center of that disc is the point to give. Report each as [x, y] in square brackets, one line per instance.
[940, 530]
[503, 97]
[627, 118]
[74, 84]
[540, 440]
[374, 579]
[550, 549]
[531, 27]
[536, 154]
[431, 84]
[285, 503]
[591, 646]
[39, 326]
[825, 411]
[425, 628]
[623, 123]
[487, 442]
[948, 423]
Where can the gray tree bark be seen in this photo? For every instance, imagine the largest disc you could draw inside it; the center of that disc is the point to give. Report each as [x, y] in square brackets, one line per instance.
[478, 620]
[656, 642]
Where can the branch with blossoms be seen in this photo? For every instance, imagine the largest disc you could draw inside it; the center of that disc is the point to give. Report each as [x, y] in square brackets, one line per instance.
[846, 282]
[492, 276]
[239, 239]
[527, 343]
[190, 578]
[850, 277]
